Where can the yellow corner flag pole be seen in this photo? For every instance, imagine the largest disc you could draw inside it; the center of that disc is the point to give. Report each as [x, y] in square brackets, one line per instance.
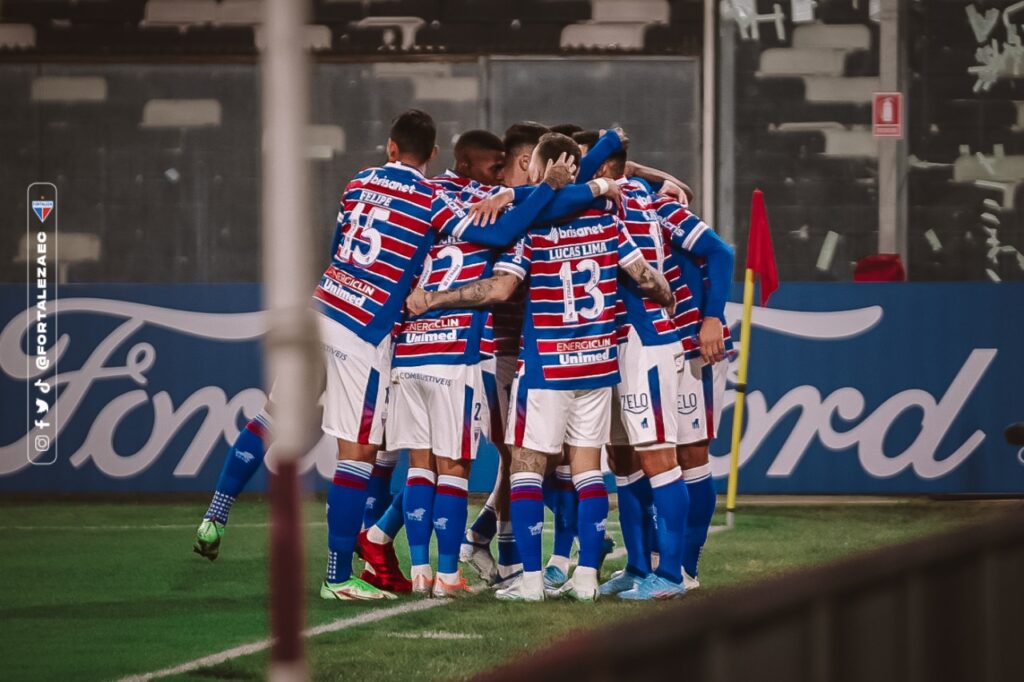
[741, 392]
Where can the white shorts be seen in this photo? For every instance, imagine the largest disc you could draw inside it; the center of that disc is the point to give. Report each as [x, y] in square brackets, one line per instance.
[643, 410]
[498, 374]
[356, 393]
[543, 419]
[437, 407]
[700, 401]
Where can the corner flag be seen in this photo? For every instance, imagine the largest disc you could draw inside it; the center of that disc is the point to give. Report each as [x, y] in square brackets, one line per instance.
[760, 259]
[760, 254]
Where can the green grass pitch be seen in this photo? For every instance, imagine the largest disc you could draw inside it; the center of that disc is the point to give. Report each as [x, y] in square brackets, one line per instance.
[94, 591]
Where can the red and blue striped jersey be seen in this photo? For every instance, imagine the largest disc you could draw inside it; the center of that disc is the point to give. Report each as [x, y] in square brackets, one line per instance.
[460, 336]
[687, 233]
[384, 235]
[450, 181]
[636, 310]
[569, 334]
[507, 316]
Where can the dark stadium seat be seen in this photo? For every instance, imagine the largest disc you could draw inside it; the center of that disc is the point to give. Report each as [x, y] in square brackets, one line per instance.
[673, 39]
[425, 9]
[121, 39]
[336, 13]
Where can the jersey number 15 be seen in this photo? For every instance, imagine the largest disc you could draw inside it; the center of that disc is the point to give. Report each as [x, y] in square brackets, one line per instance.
[361, 225]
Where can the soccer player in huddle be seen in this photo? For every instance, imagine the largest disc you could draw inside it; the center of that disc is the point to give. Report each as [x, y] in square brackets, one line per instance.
[386, 232]
[644, 417]
[562, 389]
[442, 341]
[693, 257]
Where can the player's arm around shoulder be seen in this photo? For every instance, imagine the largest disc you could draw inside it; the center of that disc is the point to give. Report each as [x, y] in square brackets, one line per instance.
[649, 280]
[479, 294]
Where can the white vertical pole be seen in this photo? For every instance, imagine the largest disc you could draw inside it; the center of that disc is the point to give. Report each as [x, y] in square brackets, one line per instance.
[291, 337]
[708, 95]
[892, 237]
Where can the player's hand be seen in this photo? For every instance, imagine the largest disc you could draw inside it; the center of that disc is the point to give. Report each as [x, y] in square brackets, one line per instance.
[486, 211]
[712, 340]
[614, 192]
[560, 173]
[670, 309]
[671, 189]
[418, 302]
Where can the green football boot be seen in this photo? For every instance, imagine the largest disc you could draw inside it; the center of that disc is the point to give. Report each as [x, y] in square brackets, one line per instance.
[353, 589]
[208, 537]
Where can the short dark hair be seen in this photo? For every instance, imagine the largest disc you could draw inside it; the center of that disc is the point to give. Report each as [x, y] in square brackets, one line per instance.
[478, 139]
[587, 137]
[522, 134]
[415, 134]
[569, 129]
[553, 145]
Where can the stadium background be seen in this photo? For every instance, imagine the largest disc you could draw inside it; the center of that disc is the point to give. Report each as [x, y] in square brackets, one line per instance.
[146, 117]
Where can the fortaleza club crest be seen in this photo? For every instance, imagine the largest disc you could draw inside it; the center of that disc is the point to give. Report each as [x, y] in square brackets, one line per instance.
[42, 208]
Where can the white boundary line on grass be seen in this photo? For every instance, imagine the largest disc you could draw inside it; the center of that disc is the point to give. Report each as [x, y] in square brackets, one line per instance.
[262, 645]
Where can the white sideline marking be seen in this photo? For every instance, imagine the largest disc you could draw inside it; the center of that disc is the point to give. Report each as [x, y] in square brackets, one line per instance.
[262, 645]
[434, 634]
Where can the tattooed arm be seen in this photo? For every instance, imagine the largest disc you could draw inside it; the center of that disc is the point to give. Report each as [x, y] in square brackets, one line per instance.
[479, 294]
[651, 282]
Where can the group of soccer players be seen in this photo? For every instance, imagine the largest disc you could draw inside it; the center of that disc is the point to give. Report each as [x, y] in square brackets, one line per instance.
[544, 293]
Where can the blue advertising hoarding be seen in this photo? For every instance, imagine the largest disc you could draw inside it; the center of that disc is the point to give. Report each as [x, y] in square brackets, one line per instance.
[853, 388]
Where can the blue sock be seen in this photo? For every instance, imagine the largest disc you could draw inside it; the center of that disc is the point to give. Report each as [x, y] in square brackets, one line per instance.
[243, 460]
[701, 489]
[378, 493]
[508, 551]
[672, 503]
[419, 505]
[451, 508]
[549, 488]
[527, 508]
[593, 516]
[392, 520]
[634, 495]
[484, 527]
[565, 512]
[346, 500]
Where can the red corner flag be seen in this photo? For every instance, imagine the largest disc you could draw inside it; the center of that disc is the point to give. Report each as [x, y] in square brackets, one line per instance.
[760, 254]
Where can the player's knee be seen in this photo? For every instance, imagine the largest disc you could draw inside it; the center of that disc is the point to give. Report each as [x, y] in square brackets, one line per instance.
[693, 455]
[525, 460]
[622, 460]
[359, 452]
[657, 458]
[452, 467]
